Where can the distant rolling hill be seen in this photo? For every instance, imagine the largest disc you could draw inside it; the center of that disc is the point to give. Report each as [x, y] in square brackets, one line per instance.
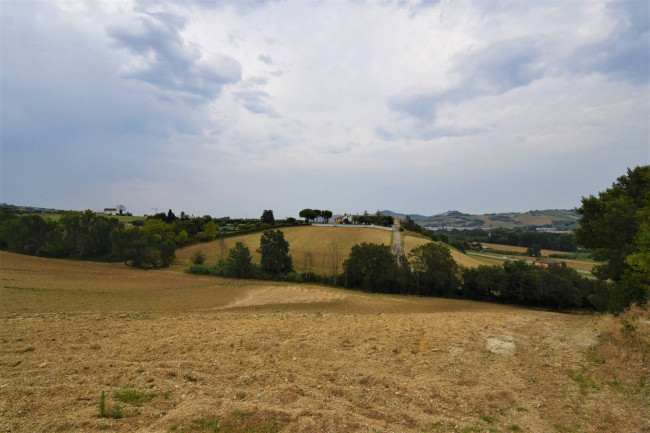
[559, 219]
[314, 249]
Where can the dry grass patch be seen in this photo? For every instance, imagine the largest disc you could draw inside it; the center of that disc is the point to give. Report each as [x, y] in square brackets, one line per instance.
[240, 421]
[622, 355]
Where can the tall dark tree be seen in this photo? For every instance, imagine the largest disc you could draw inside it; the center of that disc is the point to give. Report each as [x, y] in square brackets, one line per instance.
[611, 226]
[326, 214]
[239, 261]
[275, 253]
[267, 217]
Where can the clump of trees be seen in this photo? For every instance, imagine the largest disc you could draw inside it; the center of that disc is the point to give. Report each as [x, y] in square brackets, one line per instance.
[373, 267]
[149, 243]
[276, 262]
[434, 270]
[430, 270]
[311, 215]
[615, 226]
[85, 235]
[557, 287]
[515, 237]
[238, 263]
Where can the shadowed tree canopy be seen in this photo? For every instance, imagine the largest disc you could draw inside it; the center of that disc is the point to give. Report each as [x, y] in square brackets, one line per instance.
[275, 253]
[308, 214]
[267, 217]
[614, 227]
[435, 270]
[239, 261]
[372, 267]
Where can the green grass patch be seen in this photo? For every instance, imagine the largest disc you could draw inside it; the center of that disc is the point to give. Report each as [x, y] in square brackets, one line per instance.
[567, 428]
[102, 405]
[117, 413]
[243, 422]
[586, 383]
[487, 418]
[132, 396]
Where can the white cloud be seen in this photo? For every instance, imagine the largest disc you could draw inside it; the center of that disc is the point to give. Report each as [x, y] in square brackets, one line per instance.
[234, 107]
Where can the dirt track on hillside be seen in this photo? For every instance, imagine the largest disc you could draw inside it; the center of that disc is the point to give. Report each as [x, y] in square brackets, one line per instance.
[301, 358]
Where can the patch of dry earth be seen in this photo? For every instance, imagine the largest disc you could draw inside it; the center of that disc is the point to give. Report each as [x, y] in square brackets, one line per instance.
[322, 359]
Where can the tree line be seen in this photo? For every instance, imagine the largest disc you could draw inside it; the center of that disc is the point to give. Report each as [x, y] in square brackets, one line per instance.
[514, 237]
[144, 243]
[311, 215]
[428, 270]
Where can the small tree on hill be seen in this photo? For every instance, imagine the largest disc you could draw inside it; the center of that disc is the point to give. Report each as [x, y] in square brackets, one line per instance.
[308, 214]
[167, 252]
[198, 258]
[239, 261]
[534, 251]
[267, 217]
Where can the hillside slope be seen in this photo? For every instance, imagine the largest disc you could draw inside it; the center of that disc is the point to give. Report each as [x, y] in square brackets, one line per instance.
[321, 250]
[560, 219]
[205, 351]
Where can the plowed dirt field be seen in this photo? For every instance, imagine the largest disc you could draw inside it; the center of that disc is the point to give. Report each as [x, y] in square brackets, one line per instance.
[214, 355]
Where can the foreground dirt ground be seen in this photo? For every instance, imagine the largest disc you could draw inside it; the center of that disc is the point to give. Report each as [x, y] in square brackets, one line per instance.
[288, 358]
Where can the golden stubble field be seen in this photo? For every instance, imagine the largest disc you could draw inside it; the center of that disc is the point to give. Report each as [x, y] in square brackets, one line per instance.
[321, 250]
[286, 358]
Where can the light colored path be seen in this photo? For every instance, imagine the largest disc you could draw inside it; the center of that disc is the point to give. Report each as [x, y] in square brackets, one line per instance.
[397, 241]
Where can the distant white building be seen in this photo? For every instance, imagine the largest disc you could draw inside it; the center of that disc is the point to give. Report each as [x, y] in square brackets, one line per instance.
[343, 218]
[110, 211]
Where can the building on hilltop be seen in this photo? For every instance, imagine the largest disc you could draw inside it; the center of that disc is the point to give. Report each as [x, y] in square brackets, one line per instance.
[343, 219]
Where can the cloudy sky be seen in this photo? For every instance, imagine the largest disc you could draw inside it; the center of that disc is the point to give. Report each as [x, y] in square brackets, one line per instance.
[230, 108]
